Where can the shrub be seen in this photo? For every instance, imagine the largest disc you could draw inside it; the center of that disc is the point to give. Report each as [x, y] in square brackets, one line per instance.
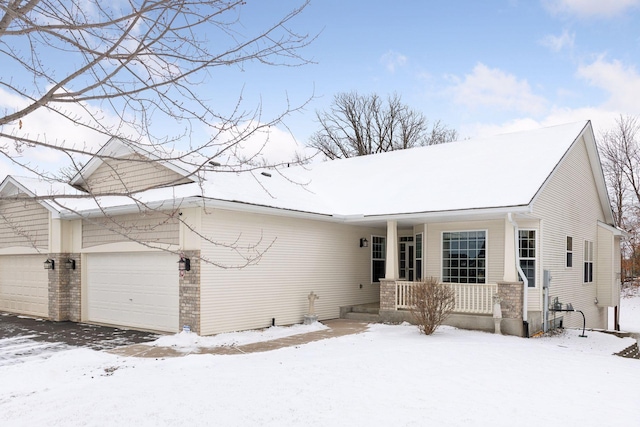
[431, 304]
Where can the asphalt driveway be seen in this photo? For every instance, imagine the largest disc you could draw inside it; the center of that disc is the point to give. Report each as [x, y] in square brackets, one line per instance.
[23, 337]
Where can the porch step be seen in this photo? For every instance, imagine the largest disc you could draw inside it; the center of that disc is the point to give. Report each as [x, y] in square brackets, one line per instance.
[366, 308]
[362, 317]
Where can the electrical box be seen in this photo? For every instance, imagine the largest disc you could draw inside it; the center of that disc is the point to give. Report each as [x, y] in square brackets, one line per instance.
[546, 283]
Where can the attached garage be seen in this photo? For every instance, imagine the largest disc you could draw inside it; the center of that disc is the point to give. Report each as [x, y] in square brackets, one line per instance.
[24, 285]
[136, 290]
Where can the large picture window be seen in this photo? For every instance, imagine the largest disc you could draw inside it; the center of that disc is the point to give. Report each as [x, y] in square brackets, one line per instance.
[588, 261]
[378, 254]
[527, 255]
[464, 257]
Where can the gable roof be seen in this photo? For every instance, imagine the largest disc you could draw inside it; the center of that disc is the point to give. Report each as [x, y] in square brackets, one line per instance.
[503, 173]
[500, 172]
[34, 187]
[119, 148]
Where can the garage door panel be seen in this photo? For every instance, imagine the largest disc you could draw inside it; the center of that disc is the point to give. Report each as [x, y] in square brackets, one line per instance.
[24, 285]
[138, 290]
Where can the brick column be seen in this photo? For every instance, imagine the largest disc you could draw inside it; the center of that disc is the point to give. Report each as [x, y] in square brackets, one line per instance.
[190, 293]
[387, 295]
[511, 299]
[64, 288]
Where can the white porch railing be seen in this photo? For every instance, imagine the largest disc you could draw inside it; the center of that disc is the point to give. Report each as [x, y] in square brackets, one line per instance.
[476, 298]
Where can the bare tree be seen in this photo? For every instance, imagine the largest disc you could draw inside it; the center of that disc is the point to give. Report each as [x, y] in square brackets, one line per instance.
[431, 304]
[357, 125]
[134, 70]
[620, 150]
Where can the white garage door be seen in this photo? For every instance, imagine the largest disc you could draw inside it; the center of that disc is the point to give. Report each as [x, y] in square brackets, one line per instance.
[24, 285]
[137, 290]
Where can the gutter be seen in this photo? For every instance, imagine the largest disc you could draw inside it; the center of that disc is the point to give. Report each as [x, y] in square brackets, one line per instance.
[525, 281]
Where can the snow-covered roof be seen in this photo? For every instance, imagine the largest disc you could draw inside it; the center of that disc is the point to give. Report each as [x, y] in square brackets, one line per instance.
[503, 171]
[500, 171]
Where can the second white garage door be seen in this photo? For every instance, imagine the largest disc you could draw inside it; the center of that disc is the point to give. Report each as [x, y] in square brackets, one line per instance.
[137, 290]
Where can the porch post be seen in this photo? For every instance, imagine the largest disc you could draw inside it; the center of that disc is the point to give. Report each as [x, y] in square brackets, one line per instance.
[388, 284]
[510, 273]
[391, 263]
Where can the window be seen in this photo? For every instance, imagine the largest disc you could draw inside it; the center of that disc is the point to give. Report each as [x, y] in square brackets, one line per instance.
[527, 255]
[406, 254]
[378, 253]
[588, 261]
[419, 256]
[569, 251]
[464, 257]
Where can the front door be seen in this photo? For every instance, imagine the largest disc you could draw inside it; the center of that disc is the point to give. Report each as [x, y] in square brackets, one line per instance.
[407, 258]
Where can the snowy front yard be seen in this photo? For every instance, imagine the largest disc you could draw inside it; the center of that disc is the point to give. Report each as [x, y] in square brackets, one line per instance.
[390, 375]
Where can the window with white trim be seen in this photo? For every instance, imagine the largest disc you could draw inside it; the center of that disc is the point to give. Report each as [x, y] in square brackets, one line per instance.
[378, 254]
[464, 257]
[419, 256]
[588, 261]
[527, 255]
[569, 251]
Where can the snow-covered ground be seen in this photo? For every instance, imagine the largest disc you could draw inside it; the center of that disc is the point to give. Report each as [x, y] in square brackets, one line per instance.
[390, 375]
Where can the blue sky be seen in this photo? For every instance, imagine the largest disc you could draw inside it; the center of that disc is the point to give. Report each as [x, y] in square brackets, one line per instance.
[481, 67]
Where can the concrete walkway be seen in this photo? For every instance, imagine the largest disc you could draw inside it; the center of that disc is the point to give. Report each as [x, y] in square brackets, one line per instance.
[337, 328]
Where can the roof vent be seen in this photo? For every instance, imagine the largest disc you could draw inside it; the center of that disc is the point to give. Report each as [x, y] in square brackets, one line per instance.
[267, 174]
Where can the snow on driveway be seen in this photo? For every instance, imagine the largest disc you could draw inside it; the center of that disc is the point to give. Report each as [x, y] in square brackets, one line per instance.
[23, 348]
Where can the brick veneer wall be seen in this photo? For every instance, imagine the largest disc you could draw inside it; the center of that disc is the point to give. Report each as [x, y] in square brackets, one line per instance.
[190, 293]
[511, 299]
[64, 288]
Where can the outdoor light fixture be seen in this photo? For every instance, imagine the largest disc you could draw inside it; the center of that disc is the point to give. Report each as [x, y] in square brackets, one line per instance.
[49, 264]
[364, 243]
[70, 264]
[184, 264]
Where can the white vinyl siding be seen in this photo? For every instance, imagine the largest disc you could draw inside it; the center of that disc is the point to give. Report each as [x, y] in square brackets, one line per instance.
[24, 285]
[288, 258]
[130, 174]
[23, 224]
[151, 227]
[571, 207]
[607, 278]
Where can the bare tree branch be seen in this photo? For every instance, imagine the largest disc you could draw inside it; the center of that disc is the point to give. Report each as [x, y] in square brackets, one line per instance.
[357, 125]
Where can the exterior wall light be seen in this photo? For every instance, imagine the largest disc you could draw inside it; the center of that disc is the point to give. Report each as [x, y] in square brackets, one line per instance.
[364, 243]
[184, 264]
[70, 264]
[49, 264]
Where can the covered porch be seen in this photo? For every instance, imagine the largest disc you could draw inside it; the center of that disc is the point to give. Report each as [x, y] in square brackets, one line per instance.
[474, 300]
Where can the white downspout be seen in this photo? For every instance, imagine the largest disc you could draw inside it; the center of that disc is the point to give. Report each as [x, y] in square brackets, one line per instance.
[525, 292]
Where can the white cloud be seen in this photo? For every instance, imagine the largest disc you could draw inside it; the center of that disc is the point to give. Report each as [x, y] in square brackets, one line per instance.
[260, 144]
[557, 43]
[487, 87]
[57, 129]
[601, 119]
[589, 8]
[622, 83]
[392, 60]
